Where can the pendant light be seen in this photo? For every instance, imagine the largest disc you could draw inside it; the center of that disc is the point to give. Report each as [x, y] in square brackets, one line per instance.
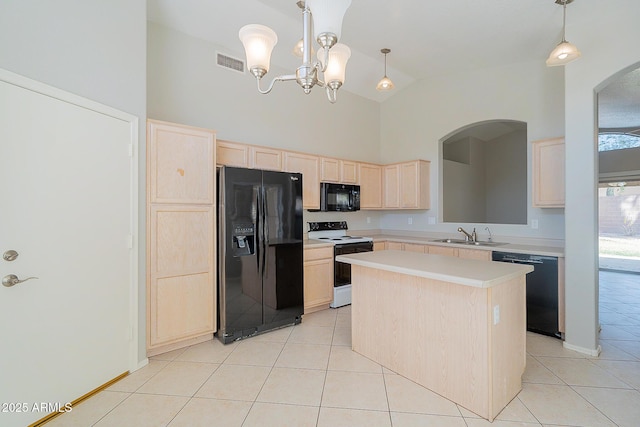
[565, 52]
[385, 84]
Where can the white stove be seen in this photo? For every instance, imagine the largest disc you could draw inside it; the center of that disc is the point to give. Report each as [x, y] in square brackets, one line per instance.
[336, 233]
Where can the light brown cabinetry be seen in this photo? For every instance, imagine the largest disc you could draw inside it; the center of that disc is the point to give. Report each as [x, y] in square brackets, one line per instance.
[406, 185]
[309, 167]
[348, 172]
[318, 278]
[370, 176]
[548, 173]
[443, 250]
[391, 186]
[478, 254]
[265, 158]
[329, 170]
[394, 246]
[181, 297]
[379, 246]
[232, 154]
[415, 247]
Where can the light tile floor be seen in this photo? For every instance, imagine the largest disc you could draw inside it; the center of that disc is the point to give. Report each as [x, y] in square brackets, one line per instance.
[307, 375]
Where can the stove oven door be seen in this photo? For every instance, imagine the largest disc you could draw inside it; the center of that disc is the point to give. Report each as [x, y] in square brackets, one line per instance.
[343, 270]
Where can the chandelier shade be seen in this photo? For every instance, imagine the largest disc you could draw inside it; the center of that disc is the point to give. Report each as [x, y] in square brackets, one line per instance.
[327, 19]
[335, 70]
[258, 41]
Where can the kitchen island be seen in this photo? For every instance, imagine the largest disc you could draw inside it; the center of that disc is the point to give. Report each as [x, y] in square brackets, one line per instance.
[455, 326]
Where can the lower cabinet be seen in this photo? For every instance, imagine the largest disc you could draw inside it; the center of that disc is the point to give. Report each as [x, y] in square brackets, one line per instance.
[466, 253]
[318, 278]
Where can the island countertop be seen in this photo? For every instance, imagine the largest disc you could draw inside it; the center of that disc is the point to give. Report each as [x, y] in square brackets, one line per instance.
[468, 272]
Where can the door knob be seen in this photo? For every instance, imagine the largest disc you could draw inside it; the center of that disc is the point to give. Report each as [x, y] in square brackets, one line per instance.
[10, 255]
[11, 280]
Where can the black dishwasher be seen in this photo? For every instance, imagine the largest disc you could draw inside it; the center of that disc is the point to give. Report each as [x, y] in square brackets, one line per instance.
[542, 291]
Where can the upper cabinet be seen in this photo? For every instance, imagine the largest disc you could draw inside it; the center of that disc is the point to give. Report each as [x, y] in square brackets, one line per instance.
[397, 186]
[309, 167]
[340, 171]
[329, 170]
[265, 158]
[406, 185]
[370, 185]
[232, 154]
[548, 173]
[181, 164]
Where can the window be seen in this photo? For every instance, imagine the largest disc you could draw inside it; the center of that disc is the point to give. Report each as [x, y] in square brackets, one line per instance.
[617, 141]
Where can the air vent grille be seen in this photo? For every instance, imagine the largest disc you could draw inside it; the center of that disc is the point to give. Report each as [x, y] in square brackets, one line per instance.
[226, 61]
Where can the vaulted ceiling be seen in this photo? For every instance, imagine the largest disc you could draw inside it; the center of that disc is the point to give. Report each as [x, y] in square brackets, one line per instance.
[427, 38]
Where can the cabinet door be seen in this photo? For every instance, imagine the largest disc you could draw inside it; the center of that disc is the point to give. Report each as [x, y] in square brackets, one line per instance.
[349, 172]
[548, 173]
[309, 166]
[370, 176]
[181, 298]
[379, 246]
[394, 246]
[443, 250]
[232, 154]
[318, 278]
[414, 247]
[478, 254]
[391, 186]
[181, 164]
[265, 158]
[414, 185]
[330, 170]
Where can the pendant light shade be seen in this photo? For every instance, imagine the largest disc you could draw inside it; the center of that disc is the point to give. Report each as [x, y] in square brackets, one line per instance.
[565, 52]
[385, 84]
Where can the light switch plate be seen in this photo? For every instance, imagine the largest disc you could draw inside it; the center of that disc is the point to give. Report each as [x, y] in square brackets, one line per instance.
[534, 224]
[496, 314]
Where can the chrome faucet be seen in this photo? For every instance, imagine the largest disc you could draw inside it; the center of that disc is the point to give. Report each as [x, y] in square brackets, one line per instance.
[490, 239]
[473, 236]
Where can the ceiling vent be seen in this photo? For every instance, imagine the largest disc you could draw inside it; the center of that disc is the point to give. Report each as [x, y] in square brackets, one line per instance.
[228, 62]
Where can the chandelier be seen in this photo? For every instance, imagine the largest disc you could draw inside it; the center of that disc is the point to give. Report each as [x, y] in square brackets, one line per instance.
[329, 69]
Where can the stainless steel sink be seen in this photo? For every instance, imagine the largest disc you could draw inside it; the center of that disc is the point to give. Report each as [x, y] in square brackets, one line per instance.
[469, 242]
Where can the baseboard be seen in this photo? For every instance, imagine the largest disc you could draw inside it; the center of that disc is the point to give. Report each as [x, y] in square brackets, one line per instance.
[591, 352]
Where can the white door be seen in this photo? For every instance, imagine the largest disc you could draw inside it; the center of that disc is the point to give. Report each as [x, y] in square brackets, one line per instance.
[65, 208]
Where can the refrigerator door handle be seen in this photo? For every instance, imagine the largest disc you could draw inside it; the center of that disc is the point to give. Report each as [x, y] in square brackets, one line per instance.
[258, 233]
[265, 232]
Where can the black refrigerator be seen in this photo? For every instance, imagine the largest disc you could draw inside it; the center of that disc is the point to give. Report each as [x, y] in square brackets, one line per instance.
[260, 272]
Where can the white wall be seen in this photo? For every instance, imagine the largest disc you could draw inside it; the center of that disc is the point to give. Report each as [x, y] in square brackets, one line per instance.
[93, 49]
[417, 118]
[609, 45]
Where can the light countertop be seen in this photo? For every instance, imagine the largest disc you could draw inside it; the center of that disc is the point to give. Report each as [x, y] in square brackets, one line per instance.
[468, 272]
[506, 247]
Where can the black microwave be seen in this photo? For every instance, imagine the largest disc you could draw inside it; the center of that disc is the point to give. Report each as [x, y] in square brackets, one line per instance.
[339, 197]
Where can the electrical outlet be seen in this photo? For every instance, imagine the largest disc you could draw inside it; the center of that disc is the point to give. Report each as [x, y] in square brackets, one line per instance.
[496, 314]
[534, 224]
[410, 221]
[368, 220]
[431, 220]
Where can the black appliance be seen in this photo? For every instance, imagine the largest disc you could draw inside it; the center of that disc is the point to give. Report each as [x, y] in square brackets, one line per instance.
[260, 272]
[542, 291]
[339, 197]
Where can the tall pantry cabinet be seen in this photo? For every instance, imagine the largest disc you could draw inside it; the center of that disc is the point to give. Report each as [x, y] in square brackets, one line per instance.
[181, 251]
